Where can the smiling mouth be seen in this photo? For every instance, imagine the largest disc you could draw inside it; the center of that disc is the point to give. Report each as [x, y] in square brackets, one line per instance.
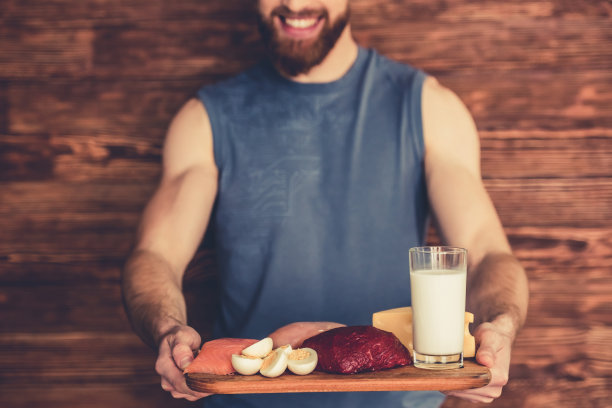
[300, 23]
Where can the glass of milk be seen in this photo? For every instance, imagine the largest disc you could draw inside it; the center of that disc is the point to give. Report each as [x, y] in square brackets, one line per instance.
[437, 284]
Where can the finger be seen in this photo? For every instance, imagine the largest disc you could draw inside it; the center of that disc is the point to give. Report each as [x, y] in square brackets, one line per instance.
[193, 396]
[499, 377]
[178, 388]
[164, 362]
[181, 390]
[472, 398]
[490, 344]
[485, 392]
[178, 395]
[182, 355]
[486, 357]
[166, 386]
[172, 377]
[176, 379]
[182, 344]
[492, 390]
[188, 336]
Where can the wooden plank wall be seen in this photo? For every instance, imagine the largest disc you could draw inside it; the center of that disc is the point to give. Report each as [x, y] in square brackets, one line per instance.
[87, 88]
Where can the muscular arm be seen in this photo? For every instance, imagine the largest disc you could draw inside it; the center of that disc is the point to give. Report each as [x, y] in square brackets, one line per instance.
[497, 291]
[463, 211]
[172, 227]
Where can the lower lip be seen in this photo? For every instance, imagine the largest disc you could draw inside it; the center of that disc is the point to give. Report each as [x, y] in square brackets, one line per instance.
[300, 33]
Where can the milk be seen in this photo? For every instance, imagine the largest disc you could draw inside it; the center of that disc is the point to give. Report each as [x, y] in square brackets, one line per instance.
[438, 305]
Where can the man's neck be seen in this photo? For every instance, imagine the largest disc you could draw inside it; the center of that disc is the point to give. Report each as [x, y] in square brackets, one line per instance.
[338, 61]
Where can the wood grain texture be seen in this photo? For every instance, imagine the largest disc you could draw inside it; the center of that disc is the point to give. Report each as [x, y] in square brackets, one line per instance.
[87, 89]
[406, 378]
[78, 368]
[119, 393]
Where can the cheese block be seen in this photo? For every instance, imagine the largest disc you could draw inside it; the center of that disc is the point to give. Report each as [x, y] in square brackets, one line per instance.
[399, 322]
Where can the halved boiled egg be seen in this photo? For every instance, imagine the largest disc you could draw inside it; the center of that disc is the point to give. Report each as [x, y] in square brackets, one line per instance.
[276, 362]
[260, 349]
[302, 361]
[246, 365]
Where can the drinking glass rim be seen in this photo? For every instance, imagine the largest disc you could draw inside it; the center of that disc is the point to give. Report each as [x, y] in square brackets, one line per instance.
[433, 249]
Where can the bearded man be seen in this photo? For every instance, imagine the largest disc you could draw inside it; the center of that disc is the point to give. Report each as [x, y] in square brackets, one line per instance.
[324, 165]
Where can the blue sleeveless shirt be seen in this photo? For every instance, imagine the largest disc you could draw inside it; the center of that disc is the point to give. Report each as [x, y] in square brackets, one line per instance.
[321, 193]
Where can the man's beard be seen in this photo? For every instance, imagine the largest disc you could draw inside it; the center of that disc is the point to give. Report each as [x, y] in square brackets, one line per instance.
[295, 57]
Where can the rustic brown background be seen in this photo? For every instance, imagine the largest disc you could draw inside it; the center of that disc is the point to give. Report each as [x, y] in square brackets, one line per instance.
[87, 88]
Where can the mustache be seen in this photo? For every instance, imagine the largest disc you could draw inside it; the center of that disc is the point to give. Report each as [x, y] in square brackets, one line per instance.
[285, 12]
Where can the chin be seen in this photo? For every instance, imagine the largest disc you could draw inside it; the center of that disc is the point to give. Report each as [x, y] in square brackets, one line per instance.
[293, 56]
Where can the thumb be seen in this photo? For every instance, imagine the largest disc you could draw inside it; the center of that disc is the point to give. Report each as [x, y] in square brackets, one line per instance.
[185, 341]
[486, 355]
[488, 346]
[182, 355]
[187, 335]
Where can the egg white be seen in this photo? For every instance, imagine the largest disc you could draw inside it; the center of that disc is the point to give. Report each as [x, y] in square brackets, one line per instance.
[246, 365]
[300, 365]
[276, 362]
[260, 349]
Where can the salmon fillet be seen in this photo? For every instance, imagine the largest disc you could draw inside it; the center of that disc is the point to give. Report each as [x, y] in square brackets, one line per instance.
[215, 356]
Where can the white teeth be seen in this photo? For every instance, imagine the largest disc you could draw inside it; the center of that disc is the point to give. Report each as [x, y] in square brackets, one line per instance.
[301, 22]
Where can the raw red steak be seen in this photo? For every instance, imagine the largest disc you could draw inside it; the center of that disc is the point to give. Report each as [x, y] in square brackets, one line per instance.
[353, 349]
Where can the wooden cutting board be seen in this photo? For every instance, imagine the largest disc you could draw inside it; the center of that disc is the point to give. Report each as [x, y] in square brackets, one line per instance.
[408, 378]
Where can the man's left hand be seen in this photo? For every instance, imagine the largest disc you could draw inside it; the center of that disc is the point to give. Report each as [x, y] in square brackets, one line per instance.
[495, 344]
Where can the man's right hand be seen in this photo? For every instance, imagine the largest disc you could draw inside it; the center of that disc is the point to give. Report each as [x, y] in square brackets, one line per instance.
[175, 353]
